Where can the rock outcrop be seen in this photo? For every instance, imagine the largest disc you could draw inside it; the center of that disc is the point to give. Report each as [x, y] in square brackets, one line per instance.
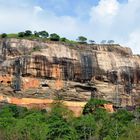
[107, 68]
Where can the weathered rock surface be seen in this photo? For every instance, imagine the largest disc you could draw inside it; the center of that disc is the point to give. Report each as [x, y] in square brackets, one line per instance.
[111, 68]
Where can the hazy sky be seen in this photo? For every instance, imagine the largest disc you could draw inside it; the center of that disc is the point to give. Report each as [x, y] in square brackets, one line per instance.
[96, 19]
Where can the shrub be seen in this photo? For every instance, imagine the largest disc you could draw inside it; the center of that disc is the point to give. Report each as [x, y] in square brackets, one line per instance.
[54, 37]
[4, 35]
[21, 34]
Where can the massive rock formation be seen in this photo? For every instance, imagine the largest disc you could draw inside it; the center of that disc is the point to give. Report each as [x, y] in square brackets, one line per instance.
[108, 71]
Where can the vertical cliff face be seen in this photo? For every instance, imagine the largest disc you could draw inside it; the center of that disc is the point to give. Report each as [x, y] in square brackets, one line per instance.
[81, 60]
[82, 63]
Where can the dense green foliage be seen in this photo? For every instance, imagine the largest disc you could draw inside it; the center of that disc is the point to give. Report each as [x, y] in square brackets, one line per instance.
[93, 105]
[4, 35]
[28, 33]
[21, 34]
[63, 39]
[82, 39]
[45, 36]
[18, 123]
[54, 37]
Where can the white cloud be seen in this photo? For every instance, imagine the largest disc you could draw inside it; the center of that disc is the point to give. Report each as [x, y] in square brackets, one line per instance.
[104, 11]
[37, 9]
[134, 40]
[118, 21]
[109, 19]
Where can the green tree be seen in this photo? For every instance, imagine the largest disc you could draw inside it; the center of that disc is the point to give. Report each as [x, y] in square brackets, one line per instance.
[4, 35]
[30, 126]
[92, 105]
[54, 37]
[43, 34]
[116, 125]
[82, 39]
[101, 114]
[63, 39]
[18, 123]
[28, 33]
[36, 34]
[112, 129]
[123, 116]
[6, 112]
[58, 123]
[85, 126]
[132, 132]
[21, 34]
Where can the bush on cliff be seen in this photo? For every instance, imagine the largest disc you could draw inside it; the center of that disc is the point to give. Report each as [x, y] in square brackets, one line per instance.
[82, 40]
[43, 34]
[21, 34]
[92, 105]
[54, 37]
[4, 35]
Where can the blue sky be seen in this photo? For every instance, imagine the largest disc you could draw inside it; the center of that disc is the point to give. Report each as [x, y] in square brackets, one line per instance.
[96, 19]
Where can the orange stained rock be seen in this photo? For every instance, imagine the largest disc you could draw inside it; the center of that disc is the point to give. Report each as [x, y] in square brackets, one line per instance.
[26, 82]
[1, 98]
[24, 101]
[5, 79]
[42, 101]
[56, 71]
[30, 83]
[58, 84]
[76, 107]
[109, 107]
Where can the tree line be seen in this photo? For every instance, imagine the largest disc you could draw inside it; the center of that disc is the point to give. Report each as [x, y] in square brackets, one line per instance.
[54, 37]
[19, 123]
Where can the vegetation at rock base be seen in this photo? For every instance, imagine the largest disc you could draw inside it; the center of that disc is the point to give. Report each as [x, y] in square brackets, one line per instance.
[18, 123]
